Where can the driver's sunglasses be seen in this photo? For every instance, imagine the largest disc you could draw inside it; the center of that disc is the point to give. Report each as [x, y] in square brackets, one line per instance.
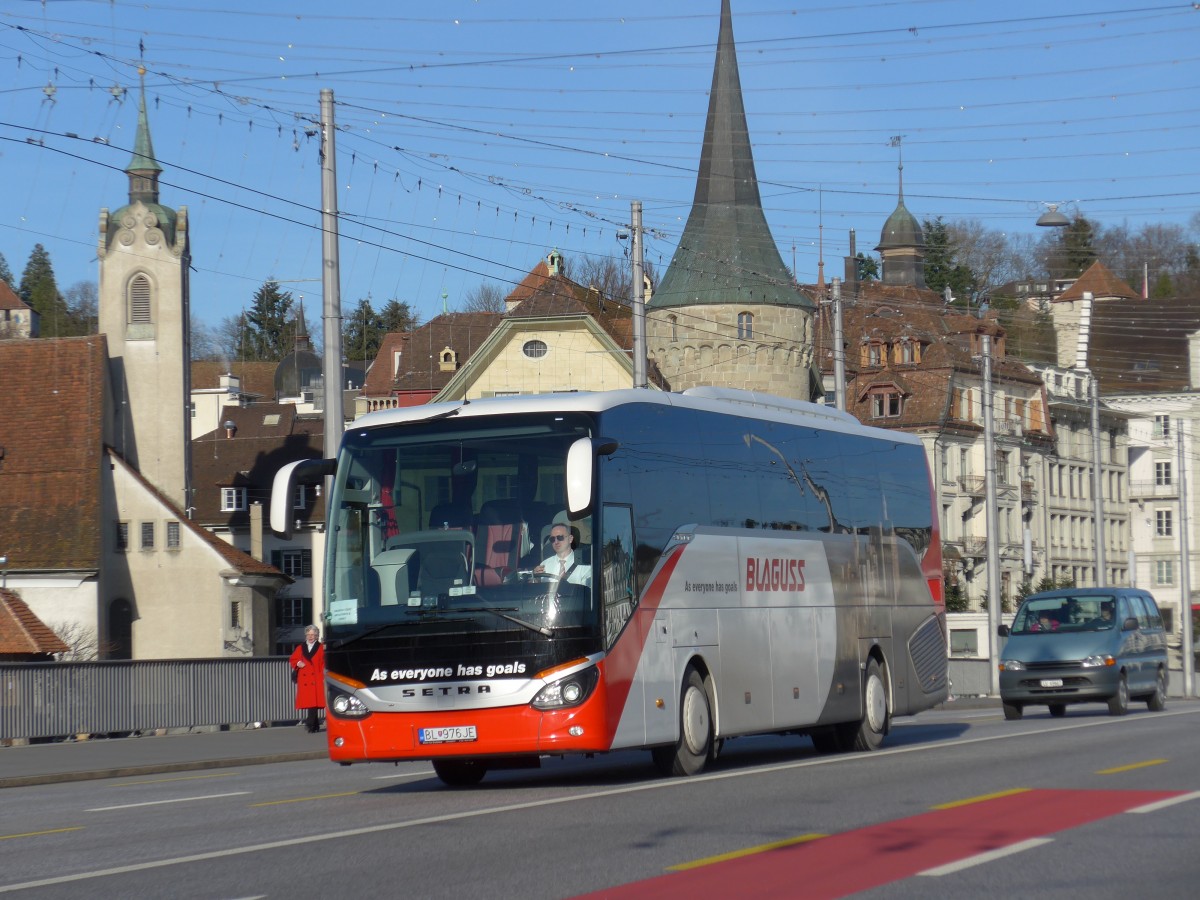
[558, 537]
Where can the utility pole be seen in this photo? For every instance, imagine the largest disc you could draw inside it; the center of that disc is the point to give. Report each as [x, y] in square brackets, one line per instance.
[331, 282]
[1098, 484]
[839, 348]
[637, 299]
[991, 517]
[1185, 576]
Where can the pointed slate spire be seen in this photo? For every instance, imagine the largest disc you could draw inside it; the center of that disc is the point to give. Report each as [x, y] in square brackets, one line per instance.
[726, 253]
[143, 168]
[902, 243]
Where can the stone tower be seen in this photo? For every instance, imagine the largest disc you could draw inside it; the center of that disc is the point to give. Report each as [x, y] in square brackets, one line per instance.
[144, 304]
[727, 312]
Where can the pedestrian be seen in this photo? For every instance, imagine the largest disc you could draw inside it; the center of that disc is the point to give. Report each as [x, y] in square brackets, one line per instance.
[308, 674]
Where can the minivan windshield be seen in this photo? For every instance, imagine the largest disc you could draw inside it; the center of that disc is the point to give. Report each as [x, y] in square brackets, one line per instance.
[1066, 614]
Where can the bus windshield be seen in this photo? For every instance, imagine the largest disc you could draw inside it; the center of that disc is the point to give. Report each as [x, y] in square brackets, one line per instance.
[458, 533]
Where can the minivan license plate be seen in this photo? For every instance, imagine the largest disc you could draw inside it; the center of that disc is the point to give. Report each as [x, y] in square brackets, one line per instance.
[446, 734]
[1051, 682]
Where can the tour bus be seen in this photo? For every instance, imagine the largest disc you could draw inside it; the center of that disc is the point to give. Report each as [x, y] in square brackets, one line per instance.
[740, 564]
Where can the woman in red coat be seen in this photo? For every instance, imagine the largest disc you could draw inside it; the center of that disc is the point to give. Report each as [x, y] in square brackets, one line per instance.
[308, 671]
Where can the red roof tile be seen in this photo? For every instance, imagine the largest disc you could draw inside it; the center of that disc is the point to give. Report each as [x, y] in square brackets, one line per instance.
[21, 632]
[53, 409]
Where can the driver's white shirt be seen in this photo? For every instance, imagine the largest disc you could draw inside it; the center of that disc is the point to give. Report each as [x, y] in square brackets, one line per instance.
[580, 575]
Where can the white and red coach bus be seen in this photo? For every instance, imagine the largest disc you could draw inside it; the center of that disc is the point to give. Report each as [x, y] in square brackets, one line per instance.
[741, 564]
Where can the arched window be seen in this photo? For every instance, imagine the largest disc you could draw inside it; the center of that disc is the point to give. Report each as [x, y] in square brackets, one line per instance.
[139, 300]
[673, 321]
[745, 326]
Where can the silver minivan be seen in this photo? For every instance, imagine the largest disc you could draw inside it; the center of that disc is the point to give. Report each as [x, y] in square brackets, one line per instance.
[1084, 645]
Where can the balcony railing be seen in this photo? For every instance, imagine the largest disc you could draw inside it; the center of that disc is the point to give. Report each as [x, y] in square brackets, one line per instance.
[1152, 489]
[973, 484]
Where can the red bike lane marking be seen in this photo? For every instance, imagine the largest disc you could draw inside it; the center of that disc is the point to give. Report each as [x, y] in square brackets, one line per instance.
[854, 861]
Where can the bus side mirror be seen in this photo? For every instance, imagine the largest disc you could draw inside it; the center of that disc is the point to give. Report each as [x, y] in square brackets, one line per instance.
[1002, 630]
[580, 464]
[283, 489]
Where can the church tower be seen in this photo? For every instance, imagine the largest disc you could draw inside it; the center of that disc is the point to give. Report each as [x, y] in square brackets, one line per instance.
[727, 312]
[144, 305]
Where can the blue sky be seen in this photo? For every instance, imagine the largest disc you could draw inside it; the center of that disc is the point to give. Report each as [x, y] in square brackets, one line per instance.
[476, 135]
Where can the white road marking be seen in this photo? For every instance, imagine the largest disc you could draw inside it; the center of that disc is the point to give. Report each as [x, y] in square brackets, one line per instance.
[980, 858]
[162, 802]
[1163, 804]
[661, 785]
[421, 774]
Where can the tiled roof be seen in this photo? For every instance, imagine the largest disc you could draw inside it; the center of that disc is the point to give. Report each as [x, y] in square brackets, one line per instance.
[266, 437]
[22, 632]
[9, 299]
[890, 313]
[257, 377]
[420, 362]
[1101, 284]
[1141, 346]
[52, 413]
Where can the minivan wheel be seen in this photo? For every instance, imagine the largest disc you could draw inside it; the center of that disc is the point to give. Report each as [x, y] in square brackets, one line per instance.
[1058, 710]
[1157, 701]
[1118, 703]
[1012, 711]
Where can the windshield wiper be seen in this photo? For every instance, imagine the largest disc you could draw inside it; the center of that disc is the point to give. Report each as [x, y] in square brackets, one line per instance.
[503, 613]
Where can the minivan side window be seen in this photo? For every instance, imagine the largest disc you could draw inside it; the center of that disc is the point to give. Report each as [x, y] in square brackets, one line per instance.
[1137, 609]
[1155, 615]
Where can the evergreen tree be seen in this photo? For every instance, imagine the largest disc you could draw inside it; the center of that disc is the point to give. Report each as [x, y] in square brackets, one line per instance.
[6, 274]
[942, 266]
[362, 332]
[39, 289]
[268, 331]
[397, 317]
[868, 267]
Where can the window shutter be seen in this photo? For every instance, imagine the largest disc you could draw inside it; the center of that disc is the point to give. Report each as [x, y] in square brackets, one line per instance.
[139, 299]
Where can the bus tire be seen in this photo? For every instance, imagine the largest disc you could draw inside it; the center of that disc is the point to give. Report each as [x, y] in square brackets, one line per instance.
[876, 719]
[460, 772]
[695, 744]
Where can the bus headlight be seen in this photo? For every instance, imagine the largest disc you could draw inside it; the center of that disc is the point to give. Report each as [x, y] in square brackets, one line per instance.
[568, 691]
[1011, 665]
[1093, 662]
[347, 706]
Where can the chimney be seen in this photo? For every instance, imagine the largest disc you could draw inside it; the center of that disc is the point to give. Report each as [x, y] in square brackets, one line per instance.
[851, 278]
[230, 429]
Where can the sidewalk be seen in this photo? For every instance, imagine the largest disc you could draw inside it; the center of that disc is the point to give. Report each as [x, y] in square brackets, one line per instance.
[150, 754]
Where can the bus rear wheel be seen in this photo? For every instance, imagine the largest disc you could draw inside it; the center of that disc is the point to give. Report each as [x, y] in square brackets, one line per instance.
[460, 772]
[695, 744]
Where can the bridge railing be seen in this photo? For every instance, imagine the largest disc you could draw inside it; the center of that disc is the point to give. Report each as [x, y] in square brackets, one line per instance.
[44, 700]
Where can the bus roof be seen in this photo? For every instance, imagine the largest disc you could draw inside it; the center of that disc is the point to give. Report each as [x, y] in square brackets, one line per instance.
[728, 401]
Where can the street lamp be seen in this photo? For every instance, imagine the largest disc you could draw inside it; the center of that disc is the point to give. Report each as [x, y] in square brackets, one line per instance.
[1052, 218]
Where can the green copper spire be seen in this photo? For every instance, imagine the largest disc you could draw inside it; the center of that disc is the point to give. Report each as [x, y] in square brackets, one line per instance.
[726, 253]
[143, 168]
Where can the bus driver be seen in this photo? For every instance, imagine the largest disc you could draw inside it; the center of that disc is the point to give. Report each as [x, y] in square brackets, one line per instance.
[563, 565]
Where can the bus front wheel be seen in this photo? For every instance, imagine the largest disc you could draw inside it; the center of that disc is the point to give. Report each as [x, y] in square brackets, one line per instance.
[460, 772]
[695, 744]
[875, 720]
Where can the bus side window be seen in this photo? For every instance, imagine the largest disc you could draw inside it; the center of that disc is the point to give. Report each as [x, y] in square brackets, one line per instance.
[616, 569]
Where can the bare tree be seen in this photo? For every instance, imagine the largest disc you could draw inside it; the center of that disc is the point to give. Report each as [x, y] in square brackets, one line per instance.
[989, 254]
[487, 298]
[81, 640]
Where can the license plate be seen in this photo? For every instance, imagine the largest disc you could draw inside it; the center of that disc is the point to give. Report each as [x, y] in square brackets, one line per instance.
[446, 734]
[1051, 682]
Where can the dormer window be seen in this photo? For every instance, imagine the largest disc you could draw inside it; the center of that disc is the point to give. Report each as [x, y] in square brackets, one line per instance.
[886, 402]
[448, 360]
[908, 352]
[872, 353]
